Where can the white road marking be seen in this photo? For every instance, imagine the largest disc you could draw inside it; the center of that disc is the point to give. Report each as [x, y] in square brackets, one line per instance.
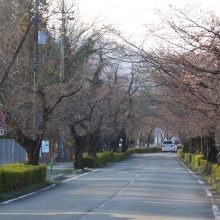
[21, 197]
[95, 170]
[216, 211]
[75, 177]
[208, 193]
[201, 182]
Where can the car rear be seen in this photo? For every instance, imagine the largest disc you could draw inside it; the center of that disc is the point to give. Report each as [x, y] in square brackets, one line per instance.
[169, 146]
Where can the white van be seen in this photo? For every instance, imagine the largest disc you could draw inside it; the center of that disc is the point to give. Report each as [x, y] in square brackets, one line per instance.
[169, 146]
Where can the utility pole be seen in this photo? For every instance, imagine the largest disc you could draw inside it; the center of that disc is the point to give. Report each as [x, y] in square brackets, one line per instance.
[61, 145]
[36, 48]
[62, 43]
[61, 136]
[36, 60]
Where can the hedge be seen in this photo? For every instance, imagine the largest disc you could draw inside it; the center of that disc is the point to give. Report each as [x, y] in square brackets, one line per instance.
[193, 160]
[216, 170]
[16, 175]
[106, 157]
[148, 150]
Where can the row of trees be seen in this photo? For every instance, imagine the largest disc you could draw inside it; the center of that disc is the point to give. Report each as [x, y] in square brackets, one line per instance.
[113, 88]
[185, 68]
[101, 95]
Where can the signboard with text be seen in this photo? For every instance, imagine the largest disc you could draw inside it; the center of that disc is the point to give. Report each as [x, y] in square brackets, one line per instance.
[45, 146]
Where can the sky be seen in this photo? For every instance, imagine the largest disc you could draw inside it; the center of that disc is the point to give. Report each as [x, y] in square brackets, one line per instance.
[130, 16]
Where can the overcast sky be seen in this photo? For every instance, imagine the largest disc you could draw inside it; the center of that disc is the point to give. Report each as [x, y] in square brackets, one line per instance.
[130, 15]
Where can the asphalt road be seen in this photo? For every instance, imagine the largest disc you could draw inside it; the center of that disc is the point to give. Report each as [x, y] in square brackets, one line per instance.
[144, 186]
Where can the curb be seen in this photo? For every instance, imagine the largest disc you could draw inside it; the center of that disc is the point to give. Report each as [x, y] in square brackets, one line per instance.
[63, 176]
[78, 171]
[58, 177]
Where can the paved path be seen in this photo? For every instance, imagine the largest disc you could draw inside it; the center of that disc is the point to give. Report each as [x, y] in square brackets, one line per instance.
[60, 170]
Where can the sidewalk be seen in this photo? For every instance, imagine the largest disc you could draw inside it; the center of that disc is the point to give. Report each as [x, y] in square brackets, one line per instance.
[60, 170]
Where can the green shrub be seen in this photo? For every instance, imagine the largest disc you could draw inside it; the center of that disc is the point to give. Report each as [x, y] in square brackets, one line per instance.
[17, 175]
[203, 163]
[89, 161]
[183, 155]
[195, 160]
[105, 157]
[130, 151]
[216, 171]
[188, 158]
[208, 168]
[198, 159]
[148, 150]
[179, 151]
[101, 159]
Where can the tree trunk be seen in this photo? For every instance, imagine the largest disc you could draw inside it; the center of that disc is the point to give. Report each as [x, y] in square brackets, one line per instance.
[149, 138]
[128, 143]
[186, 146]
[198, 144]
[204, 147]
[81, 144]
[33, 159]
[93, 143]
[114, 144]
[32, 147]
[193, 146]
[212, 151]
[124, 141]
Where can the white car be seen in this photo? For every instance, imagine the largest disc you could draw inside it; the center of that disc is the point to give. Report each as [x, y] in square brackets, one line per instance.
[169, 146]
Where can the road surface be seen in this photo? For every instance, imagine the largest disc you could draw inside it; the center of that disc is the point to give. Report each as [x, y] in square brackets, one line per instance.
[144, 186]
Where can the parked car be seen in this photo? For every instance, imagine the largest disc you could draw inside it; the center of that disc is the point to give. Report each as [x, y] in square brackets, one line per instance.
[169, 146]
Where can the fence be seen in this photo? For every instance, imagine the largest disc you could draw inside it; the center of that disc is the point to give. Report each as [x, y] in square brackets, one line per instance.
[47, 158]
[11, 151]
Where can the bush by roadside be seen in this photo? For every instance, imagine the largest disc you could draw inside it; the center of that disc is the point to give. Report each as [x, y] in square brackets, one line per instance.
[17, 175]
[106, 157]
[148, 150]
